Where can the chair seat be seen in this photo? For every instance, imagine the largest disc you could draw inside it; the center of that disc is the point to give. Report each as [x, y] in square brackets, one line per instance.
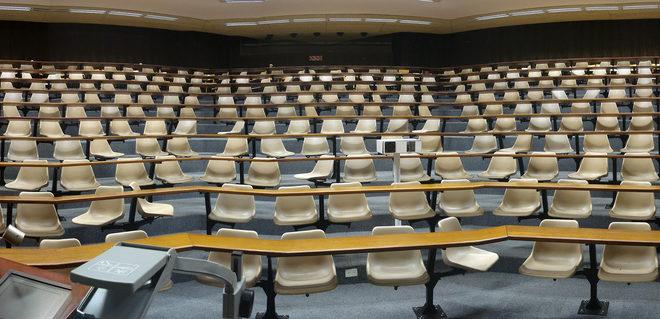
[398, 276]
[217, 179]
[550, 268]
[470, 258]
[415, 178]
[632, 214]
[294, 220]
[409, 214]
[91, 220]
[81, 187]
[41, 231]
[516, 211]
[361, 179]
[311, 176]
[188, 153]
[463, 211]
[560, 212]
[280, 154]
[587, 176]
[25, 186]
[349, 216]
[107, 155]
[231, 217]
[141, 182]
[540, 177]
[250, 276]
[261, 183]
[176, 179]
[155, 209]
[608, 273]
[305, 283]
[495, 175]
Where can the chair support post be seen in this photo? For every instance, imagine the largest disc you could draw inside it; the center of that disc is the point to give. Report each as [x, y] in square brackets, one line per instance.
[593, 306]
[241, 170]
[207, 205]
[54, 186]
[544, 198]
[269, 289]
[430, 310]
[9, 218]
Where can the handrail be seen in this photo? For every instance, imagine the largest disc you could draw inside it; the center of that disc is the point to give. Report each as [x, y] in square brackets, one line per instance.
[72, 256]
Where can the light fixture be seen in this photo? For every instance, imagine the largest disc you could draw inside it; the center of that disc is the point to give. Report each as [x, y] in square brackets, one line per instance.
[641, 7]
[561, 10]
[265, 22]
[345, 19]
[125, 14]
[420, 22]
[239, 24]
[87, 11]
[602, 8]
[157, 17]
[304, 20]
[526, 13]
[491, 17]
[380, 20]
[14, 8]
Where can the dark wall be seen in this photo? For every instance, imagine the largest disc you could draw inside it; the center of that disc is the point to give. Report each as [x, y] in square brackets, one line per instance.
[86, 42]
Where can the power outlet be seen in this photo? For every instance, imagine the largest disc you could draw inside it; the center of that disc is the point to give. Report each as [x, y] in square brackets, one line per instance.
[351, 272]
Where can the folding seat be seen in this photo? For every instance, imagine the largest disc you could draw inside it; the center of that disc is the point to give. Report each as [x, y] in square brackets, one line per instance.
[365, 126]
[155, 127]
[18, 128]
[103, 212]
[398, 268]
[459, 203]
[234, 208]
[219, 171]
[78, 178]
[580, 107]
[263, 128]
[641, 123]
[51, 129]
[92, 98]
[634, 205]
[592, 93]
[236, 129]
[643, 92]
[235, 146]
[476, 125]
[306, 274]
[110, 111]
[298, 127]
[353, 145]
[504, 124]
[180, 147]
[39, 98]
[523, 108]
[411, 169]
[550, 108]
[274, 147]
[642, 106]
[638, 169]
[478, 87]
[227, 107]
[68, 150]
[519, 202]
[639, 143]
[542, 169]
[616, 94]
[500, 167]
[409, 205]
[169, 172]
[557, 143]
[321, 171]
[623, 263]
[148, 147]
[571, 124]
[332, 127]
[539, 124]
[90, 128]
[359, 170]
[598, 143]
[521, 85]
[553, 260]
[264, 173]
[466, 257]
[75, 111]
[511, 96]
[134, 111]
[591, 168]
[483, 144]
[30, 178]
[38, 220]
[607, 124]
[431, 143]
[286, 111]
[463, 98]
[571, 203]
[167, 111]
[347, 208]
[535, 95]
[315, 146]
[250, 264]
[450, 167]
[185, 127]
[295, 210]
[127, 173]
[20, 150]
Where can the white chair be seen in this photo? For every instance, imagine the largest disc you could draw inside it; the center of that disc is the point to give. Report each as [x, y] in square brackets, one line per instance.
[346, 208]
[251, 264]
[295, 210]
[322, 170]
[571, 203]
[274, 147]
[519, 202]
[409, 205]
[459, 203]
[169, 171]
[591, 168]
[543, 168]
[219, 171]
[30, 178]
[264, 173]
[359, 170]
[553, 260]
[127, 173]
[638, 169]
[234, 208]
[450, 167]
[634, 205]
[623, 263]
[21, 150]
[466, 257]
[396, 268]
[38, 220]
[68, 150]
[103, 212]
[78, 178]
[500, 167]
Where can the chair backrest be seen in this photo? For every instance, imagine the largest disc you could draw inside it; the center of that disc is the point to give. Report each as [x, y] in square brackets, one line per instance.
[594, 165]
[638, 169]
[394, 258]
[148, 147]
[298, 127]
[76, 177]
[299, 266]
[30, 216]
[572, 199]
[557, 143]
[323, 167]
[68, 149]
[476, 125]
[631, 256]
[33, 175]
[457, 198]
[179, 146]
[293, 206]
[59, 243]
[353, 145]
[483, 144]
[449, 166]
[235, 146]
[550, 250]
[155, 127]
[597, 143]
[634, 201]
[272, 146]
[110, 208]
[168, 168]
[431, 143]
[542, 168]
[398, 126]
[125, 173]
[235, 202]
[264, 173]
[332, 127]
[315, 145]
[366, 125]
[519, 197]
[125, 236]
[411, 168]
[347, 202]
[502, 164]
[220, 170]
[407, 201]
[359, 170]
[639, 143]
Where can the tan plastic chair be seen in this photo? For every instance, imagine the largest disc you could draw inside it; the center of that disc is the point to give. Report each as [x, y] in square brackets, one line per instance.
[597, 143]
[623, 263]
[430, 125]
[332, 127]
[551, 108]
[409, 205]
[125, 236]
[523, 108]
[298, 127]
[483, 144]
[450, 167]
[571, 123]
[305, 275]
[251, 264]
[235, 146]
[169, 172]
[100, 149]
[634, 205]
[148, 147]
[500, 167]
[542, 168]
[348, 208]
[431, 144]
[103, 212]
[151, 210]
[30, 178]
[557, 143]
[639, 143]
[121, 128]
[18, 128]
[641, 123]
[519, 202]
[396, 268]
[579, 107]
[155, 127]
[59, 243]
[90, 128]
[21, 150]
[638, 169]
[315, 146]
[185, 127]
[591, 168]
[234, 208]
[365, 126]
[219, 171]
[571, 203]
[469, 110]
[274, 147]
[263, 127]
[78, 178]
[180, 147]
[236, 129]
[411, 169]
[322, 170]
[459, 203]
[398, 126]
[38, 220]
[476, 126]
[295, 210]
[466, 257]
[353, 145]
[359, 170]
[504, 124]
[553, 260]
[264, 174]
[522, 144]
[539, 124]
[68, 150]
[127, 173]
